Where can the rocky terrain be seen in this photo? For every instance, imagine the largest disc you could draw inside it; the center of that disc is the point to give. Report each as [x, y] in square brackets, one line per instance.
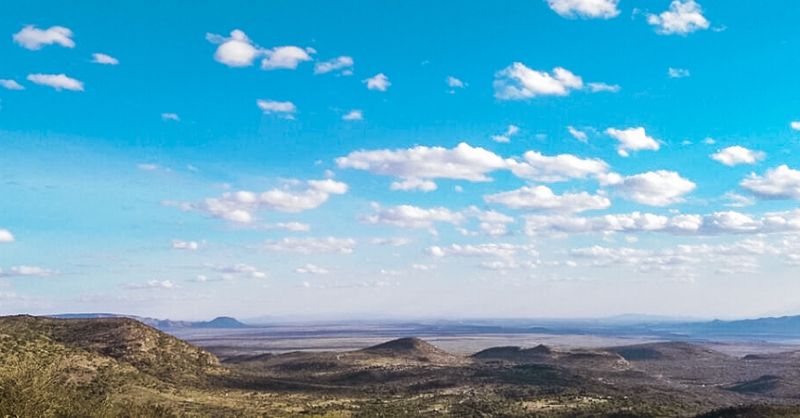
[121, 367]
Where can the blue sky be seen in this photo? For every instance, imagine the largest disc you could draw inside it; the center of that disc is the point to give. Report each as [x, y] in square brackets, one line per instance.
[555, 158]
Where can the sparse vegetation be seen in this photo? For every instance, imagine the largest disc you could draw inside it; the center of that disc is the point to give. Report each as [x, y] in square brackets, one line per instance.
[113, 367]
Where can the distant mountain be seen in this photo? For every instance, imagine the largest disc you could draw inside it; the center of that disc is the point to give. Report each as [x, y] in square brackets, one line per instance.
[777, 327]
[221, 322]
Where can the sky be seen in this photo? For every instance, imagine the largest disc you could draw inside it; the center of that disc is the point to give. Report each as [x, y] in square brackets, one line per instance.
[414, 159]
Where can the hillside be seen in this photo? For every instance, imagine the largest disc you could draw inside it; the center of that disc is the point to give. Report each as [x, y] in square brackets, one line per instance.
[112, 366]
[219, 322]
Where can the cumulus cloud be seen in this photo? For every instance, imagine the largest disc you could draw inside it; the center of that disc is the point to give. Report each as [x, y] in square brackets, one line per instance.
[185, 245]
[505, 137]
[589, 9]
[499, 250]
[543, 198]
[562, 167]
[343, 65]
[56, 81]
[414, 184]
[518, 82]
[283, 109]
[239, 270]
[736, 154]
[379, 82]
[312, 245]
[780, 182]
[6, 236]
[632, 139]
[352, 115]
[681, 260]
[27, 271]
[682, 17]
[654, 188]
[407, 216]
[463, 162]
[677, 72]
[33, 38]
[285, 57]
[11, 84]
[578, 134]
[99, 58]
[290, 226]
[241, 206]
[311, 269]
[234, 51]
[736, 200]
[725, 222]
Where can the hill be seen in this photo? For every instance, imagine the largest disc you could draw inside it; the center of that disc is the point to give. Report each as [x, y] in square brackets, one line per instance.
[219, 322]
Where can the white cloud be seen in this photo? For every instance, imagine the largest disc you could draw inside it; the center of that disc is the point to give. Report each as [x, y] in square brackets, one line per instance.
[736, 200]
[240, 270]
[407, 216]
[290, 226]
[313, 245]
[505, 137]
[56, 81]
[490, 222]
[604, 87]
[33, 38]
[11, 84]
[463, 162]
[392, 242]
[795, 125]
[170, 116]
[240, 206]
[736, 154]
[556, 168]
[726, 222]
[27, 271]
[343, 64]
[234, 51]
[498, 250]
[414, 184]
[518, 82]
[99, 58]
[578, 134]
[654, 188]
[590, 9]
[454, 83]
[632, 139]
[153, 284]
[543, 198]
[683, 17]
[378, 82]
[285, 57]
[311, 269]
[6, 236]
[352, 115]
[284, 109]
[677, 72]
[780, 182]
[185, 245]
